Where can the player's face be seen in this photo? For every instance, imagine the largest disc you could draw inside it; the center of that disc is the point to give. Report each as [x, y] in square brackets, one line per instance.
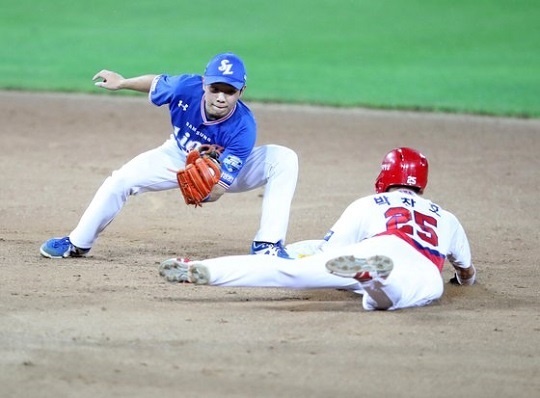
[220, 99]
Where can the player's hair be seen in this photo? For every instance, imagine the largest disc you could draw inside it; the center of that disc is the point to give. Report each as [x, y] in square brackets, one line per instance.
[403, 167]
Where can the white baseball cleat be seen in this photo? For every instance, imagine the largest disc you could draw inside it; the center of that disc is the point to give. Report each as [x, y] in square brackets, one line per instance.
[182, 270]
[361, 269]
[175, 270]
[198, 273]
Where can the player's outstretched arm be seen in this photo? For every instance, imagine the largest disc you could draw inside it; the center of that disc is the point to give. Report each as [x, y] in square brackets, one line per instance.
[115, 81]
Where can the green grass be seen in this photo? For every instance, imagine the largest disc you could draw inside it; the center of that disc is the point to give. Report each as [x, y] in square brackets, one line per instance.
[458, 56]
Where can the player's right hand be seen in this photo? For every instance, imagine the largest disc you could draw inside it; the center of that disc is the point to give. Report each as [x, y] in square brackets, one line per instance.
[109, 80]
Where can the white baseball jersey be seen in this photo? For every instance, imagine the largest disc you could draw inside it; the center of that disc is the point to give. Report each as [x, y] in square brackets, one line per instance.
[415, 233]
[432, 231]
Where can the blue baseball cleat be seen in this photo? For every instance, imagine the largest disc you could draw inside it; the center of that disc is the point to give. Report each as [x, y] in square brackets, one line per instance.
[61, 248]
[270, 249]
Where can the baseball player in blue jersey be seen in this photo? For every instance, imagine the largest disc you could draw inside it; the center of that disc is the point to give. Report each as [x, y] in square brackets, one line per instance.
[390, 247]
[204, 110]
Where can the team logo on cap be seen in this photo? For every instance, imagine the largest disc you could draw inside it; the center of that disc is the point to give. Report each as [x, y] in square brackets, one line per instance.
[226, 67]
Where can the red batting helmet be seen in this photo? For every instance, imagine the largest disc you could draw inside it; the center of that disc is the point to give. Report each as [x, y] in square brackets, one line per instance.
[403, 167]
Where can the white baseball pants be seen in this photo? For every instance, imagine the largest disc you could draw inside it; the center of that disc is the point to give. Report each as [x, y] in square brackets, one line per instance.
[155, 170]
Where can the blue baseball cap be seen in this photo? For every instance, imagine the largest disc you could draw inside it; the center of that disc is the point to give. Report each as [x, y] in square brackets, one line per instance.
[226, 68]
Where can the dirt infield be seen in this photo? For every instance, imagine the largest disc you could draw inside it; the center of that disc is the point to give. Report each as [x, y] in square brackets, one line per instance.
[109, 326]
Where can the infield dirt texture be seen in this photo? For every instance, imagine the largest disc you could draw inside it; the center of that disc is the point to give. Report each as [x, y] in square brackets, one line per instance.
[110, 326]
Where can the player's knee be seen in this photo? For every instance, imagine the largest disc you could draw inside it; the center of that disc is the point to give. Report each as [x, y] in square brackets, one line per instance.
[120, 183]
[285, 158]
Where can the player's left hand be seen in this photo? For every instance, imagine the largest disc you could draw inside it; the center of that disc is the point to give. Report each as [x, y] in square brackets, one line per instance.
[201, 174]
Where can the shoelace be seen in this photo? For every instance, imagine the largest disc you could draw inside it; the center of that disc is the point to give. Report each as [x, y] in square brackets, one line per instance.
[61, 242]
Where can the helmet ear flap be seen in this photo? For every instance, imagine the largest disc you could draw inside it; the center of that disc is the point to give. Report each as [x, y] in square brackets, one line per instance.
[405, 167]
[380, 185]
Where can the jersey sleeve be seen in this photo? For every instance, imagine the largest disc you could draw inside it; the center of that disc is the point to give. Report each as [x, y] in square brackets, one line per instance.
[163, 89]
[459, 251]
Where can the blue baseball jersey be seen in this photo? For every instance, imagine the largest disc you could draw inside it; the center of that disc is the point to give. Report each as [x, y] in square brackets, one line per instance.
[236, 133]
